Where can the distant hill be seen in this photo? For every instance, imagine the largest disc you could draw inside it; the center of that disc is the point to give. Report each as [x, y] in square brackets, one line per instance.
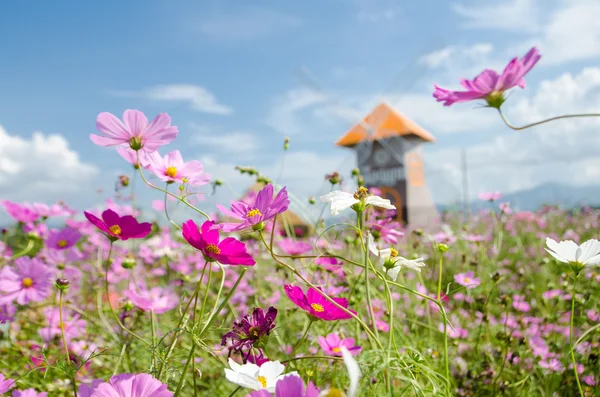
[567, 196]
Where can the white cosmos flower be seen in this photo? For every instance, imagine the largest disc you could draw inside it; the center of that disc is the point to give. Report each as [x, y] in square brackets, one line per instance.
[586, 254]
[353, 374]
[254, 377]
[342, 200]
[390, 257]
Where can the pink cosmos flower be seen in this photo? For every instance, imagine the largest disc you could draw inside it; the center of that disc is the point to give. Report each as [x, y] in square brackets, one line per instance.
[227, 252]
[63, 239]
[27, 282]
[387, 229]
[87, 390]
[128, 385]
[467, 280]
[158, 300]
[28, 393]
[552, 364]
[255, 215]
[172, 168]
[131, 156]
[134, 131]
[293, 247]
[316, 305]
[332, 343]
[73, 325]
[5, 384]
[119, 227]
[490, 196]
[20, 212]
[490, 85]
[289, 386]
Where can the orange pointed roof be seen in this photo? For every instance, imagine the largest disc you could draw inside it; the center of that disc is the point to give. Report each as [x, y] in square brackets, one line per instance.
[383, 122]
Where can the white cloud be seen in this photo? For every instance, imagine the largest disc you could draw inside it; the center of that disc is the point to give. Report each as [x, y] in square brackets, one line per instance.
[564, 30]
[197, 97]
[521, 15]
[42, 168]
[239, 143]
[451, 55]
[284, 114]
[561, 151]
[244, 24]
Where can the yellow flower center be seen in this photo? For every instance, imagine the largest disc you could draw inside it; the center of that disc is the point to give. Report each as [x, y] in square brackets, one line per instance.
[361, 193]
[115, 229]
[393, 252]
[253, 212]
[213, 249]
[254, 332]
[333, 392]
[336, 350]
[262, 380]
[318, 308]
[62, 243]
[171, 172]
[467, 280]
[27, 282]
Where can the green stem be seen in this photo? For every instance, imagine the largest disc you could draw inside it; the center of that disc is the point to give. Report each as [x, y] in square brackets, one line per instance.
[179, 330]
[167, 210]
[112, 310]
[207, 290]
[572, 347]
[153, 330]
[185, 368]
[323, 294]
[297, 345]
[64, 339]
[443, 311]
[166, 192]
[565, 116]
[360, 223]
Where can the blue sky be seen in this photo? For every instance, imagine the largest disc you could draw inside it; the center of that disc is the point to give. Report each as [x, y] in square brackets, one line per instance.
[236, 77]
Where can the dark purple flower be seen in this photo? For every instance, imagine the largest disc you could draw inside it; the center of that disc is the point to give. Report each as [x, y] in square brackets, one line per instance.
[255, 215]
[251, 331]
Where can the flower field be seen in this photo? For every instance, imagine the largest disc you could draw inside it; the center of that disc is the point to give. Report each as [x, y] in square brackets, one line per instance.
[239, 300]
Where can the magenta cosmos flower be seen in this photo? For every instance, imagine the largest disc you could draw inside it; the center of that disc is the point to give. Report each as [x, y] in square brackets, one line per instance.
[118, 227]
[132, 157]
[255, 215]
[172, 168]
[20, 212]
[316, 305]
[27, 282]
[332, 343]
[5, 384]
[249, 332]
[289, 386]
[157, 300]
[227, 252]
[134, 131]
[490, 85]
[63, 239]
[128, 385]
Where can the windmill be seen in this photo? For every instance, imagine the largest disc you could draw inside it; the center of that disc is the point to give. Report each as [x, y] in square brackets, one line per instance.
[387, 147]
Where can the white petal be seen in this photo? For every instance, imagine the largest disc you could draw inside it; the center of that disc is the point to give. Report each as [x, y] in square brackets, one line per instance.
[386, 253]
[242, 380]
[414, 264]
[339, 201]
[557, 257]
[353, 371]
[589, 249]
[565, 249]
[393, 272]
[271, 370]
[380, 202]
[371, 244]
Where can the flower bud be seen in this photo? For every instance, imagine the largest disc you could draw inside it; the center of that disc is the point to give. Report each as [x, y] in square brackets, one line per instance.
[442, 248]
[311, 200]
[286, 144]
[128, 306]
[218, 182]
[334, 178]
[124, 180]
[128, 262]
[61, 283]
[355, 172]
